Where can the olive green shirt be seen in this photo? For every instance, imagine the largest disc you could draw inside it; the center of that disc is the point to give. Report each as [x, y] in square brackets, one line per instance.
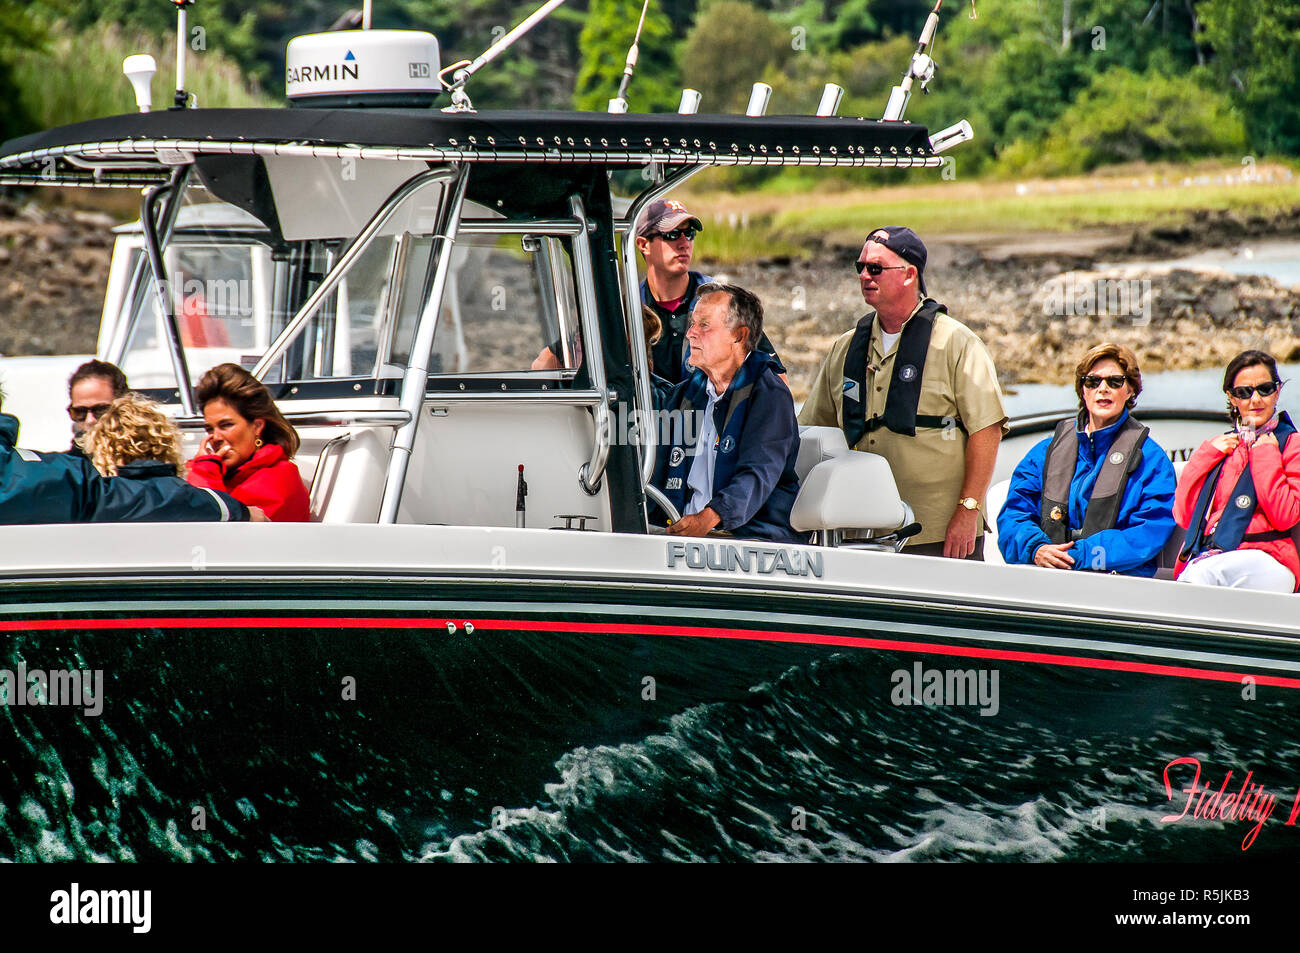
[959, 383]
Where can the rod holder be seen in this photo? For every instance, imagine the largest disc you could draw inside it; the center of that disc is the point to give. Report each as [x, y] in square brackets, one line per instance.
[830, 102]
[954, 135]
[690, 103]
[758, 100]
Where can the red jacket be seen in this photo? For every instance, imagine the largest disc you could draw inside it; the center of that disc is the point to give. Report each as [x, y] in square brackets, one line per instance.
[1277, 485]
[268, 479]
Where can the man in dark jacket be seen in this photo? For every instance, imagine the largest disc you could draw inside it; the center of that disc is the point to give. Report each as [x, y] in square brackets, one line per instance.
[63, 488]
[730, 462]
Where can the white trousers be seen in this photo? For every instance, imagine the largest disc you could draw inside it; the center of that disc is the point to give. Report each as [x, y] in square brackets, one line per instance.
[1240, 569]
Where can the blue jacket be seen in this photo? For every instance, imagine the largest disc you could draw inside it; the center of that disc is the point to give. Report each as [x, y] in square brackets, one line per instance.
[63, 488]
[1142, 528]
[754, 480]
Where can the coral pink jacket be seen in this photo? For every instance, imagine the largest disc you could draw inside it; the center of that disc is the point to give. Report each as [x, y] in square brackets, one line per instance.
[1277, 485]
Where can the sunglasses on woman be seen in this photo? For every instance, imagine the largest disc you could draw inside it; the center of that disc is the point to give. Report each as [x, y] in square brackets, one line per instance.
[874, 268]
[79, 413]
[1266, 389]
[1113, 381]
[677, 233]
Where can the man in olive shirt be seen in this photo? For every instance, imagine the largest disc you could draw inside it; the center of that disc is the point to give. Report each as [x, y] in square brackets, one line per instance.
[917, 387]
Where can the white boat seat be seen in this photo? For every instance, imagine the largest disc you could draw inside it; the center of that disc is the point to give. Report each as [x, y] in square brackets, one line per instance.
[348, 481]
[817, 444]
[849, 491]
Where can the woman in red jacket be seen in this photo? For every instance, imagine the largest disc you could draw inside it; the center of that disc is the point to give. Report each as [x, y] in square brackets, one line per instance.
[1239, 494]
[249, 446]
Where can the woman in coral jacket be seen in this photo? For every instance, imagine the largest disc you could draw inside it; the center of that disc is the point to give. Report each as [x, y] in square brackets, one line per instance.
[249, 446]
[1239, 494]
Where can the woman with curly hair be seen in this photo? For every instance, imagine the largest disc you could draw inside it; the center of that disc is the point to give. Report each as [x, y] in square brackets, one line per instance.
[135, 439]
[249, 448]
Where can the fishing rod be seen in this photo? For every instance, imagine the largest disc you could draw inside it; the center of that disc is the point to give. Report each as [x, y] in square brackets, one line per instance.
[619, 103]
[465, 69]
[921, 68]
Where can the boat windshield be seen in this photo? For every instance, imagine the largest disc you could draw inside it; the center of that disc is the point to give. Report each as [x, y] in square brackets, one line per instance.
[221, 275]
[509, 306]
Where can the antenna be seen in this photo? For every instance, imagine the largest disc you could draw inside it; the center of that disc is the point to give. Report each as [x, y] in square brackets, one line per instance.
[464, 69]
[139, 69]
[619, 103]
[182, 34]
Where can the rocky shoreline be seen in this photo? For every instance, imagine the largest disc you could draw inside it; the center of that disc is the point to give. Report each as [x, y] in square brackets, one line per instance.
[1039, 306]
[1037, 301]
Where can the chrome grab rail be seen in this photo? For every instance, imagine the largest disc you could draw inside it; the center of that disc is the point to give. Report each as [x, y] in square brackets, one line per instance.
[591, 472]
[657, 497]
[342, 418]
[415, 378]
[162, 286]
[345, 263]
[647, 441]
[332, 446]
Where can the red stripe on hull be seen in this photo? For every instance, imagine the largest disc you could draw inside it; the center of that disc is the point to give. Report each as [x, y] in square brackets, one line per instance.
[630, 628]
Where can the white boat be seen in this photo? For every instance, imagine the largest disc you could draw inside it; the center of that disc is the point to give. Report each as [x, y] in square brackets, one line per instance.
[402, 268]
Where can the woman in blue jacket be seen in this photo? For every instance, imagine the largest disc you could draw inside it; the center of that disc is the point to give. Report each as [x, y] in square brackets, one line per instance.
[1099, 493]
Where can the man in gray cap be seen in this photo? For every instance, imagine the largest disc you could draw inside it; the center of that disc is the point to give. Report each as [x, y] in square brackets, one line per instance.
[917, 387]
[665, 238]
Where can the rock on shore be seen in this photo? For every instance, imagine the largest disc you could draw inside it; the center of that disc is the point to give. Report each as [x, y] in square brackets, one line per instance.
[1037, 313]
[1038, 302]
[53, 269]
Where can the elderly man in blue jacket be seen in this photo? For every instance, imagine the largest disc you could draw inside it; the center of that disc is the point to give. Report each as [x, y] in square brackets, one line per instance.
[62, 488]
[730, 462]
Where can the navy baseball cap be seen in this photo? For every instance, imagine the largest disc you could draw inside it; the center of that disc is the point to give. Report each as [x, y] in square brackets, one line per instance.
[904, 243]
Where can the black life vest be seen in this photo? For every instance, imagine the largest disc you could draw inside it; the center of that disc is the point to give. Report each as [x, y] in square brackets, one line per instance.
[1122, 461]
[904, 386]
[1230, 533]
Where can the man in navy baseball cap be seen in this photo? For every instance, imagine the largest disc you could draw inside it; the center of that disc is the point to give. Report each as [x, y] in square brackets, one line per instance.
[916, 386]
[904, 243]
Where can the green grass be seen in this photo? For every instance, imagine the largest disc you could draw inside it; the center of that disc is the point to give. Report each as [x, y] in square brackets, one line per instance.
[79, 76]
[800, 225]
[1042, 212]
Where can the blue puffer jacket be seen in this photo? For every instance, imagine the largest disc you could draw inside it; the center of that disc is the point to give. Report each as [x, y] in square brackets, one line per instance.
[62, 488]
[754, 480]
[1142, 528]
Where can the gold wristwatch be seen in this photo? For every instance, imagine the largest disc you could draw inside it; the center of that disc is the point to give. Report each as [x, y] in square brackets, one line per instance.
[969, 502]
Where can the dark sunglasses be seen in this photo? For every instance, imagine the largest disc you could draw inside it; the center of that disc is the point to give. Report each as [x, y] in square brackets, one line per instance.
[677, 233]
[1266, 389]
[1114, 381]
[875, 269]
[79, 413]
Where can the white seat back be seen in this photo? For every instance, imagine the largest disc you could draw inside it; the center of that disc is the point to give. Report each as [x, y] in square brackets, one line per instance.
[853, 490]
[817, 444]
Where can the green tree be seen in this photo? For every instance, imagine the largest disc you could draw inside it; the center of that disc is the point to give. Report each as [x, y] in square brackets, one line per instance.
[1126, 117]
[730, 47]
[1257, 60]
[21, 28]
[602, 47]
